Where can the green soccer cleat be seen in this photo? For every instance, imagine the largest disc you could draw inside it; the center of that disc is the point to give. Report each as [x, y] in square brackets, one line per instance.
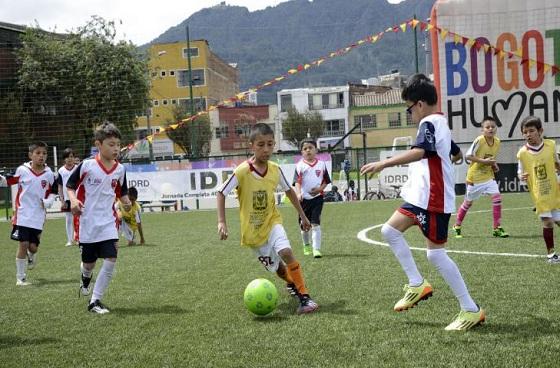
[457, 230]
[413, 295]
[307, 250]
[499, 233]
[317, 253]
[467, 320]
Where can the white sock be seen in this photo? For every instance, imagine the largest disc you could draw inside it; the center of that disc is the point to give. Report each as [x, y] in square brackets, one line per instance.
[21, 266]
[316, 236]
[451, 274]
[305, 237]
[69, 227]
[85, 272]
[103, 279]
[400, 248]
[31, 256]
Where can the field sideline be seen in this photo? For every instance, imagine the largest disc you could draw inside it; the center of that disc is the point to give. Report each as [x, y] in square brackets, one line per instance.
[178, 300]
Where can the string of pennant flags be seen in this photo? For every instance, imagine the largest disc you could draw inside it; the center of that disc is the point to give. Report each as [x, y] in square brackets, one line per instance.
[402, 27]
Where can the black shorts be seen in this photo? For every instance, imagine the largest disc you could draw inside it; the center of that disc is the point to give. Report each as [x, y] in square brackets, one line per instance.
[434, 225]
[103, 249]
[26, 234]
[66, 206]
[313, 208]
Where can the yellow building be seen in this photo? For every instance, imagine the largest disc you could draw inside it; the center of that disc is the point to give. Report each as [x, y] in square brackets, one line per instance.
[213, 80]
[383, 116]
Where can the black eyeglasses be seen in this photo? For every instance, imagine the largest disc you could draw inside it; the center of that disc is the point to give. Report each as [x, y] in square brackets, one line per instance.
[409, 109]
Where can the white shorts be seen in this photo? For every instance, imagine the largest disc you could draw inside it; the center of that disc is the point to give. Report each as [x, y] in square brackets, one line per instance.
[474, 191]
[126, 231]
[554, 215]
[268, 253]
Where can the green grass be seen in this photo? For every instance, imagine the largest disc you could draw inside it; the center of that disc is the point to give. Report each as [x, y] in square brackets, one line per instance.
[178, 301]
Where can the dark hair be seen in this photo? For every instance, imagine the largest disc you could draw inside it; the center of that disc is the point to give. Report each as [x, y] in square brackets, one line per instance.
[106, 130]
[488, 118]
[67, 152]
[260, 129]
[308, 140]
[132, 191]
[531, 121]
[419, 88]
[33, 146]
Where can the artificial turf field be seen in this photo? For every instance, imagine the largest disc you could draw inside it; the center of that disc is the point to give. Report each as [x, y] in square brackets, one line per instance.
[178, 300]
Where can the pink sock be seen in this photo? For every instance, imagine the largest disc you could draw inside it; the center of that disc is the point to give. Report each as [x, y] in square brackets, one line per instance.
[463, 212]
[497, 209]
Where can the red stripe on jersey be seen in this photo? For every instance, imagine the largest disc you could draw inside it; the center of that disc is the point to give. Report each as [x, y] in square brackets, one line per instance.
[13, 180]
[18, 205]
[311, 164]
[437, 186]
[113, 168]
[118, 189]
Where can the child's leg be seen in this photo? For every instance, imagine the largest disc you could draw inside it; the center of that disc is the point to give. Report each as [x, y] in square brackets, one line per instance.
[548, 234]
[463, 211]
[316, 236]
[497, 209]
[103, 279]
[87, 273]
[69, 227]
[305, 237]
[21, 261]
[282, 272]
[294, 270]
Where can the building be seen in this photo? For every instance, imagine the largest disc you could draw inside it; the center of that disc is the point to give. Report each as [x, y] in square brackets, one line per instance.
[331, 102]
[9, 41]
[383, 117]
[213, 80]
[231, 127]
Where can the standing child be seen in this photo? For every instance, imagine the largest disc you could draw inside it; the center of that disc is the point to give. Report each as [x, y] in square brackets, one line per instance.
[36, 192]
[311, 178]
[100, 179]
[130, 220]
[537, 166]
[480, 177]
[429, 196]
[63, 174]
[256, 181]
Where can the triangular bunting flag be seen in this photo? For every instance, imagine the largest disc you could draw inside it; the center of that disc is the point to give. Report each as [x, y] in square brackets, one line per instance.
[403, 27]
[292, 71]
[486, 47]
[429, 27]
[546, 68]
[415, 23]
[443, 34]
[470, 42]
[374, 39]
[456, 39]
[306, 66]
[554, 69]
[423, 26]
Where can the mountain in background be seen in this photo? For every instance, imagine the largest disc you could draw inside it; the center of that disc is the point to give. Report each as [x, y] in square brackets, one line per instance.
[266, 43]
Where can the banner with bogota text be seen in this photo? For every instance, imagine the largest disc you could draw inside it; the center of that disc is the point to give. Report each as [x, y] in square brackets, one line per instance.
[502, 70]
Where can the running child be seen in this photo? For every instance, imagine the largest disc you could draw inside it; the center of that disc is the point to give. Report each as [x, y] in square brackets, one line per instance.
[36, 192]
[256, 181]
[311, 178]
[63, 174]
[537, 166]
[130, 220]
[480, 177]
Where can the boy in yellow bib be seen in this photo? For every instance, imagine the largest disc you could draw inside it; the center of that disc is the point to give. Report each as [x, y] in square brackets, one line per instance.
[256, 181]
[130, 220]
[480, 177]
[537, 166]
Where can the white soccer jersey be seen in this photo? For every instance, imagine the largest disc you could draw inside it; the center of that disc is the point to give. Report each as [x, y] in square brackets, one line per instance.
[431, 183]
[311, 175]
[32, 189]
[97, 190]
[63, 175]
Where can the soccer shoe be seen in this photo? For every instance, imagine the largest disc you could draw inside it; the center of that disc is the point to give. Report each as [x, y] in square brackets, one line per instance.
[553, 258]
[97, 307]
[317, 253]
[467, 320]
[68, 244]
[307, 305]
[84, 290]
[457, 230]
[307, 250]
[23, 282]
[31, 261]
[292, 290]
[499, 233]
[413, 295]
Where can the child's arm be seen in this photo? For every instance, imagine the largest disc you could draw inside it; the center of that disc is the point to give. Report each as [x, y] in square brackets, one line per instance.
[415, 154]
[141, 233]
[305, 224]
[483, 161]
[221, 207]
[298, 192]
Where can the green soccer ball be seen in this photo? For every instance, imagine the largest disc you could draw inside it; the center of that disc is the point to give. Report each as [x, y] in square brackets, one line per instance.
[260, 297]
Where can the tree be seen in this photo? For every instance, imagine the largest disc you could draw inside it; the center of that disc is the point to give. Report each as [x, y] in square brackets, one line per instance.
[196, 132]
[297, 126]
[70, 83]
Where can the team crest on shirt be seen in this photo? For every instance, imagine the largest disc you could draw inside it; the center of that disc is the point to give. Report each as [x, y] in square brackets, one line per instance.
[429, 136]
[260, 200]
[43, 183]
[540, 172]
[114, 183]
[318, 172]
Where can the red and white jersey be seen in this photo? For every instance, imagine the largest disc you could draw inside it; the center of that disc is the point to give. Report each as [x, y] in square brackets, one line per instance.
[33, 187]
[97, 190]
[62, 179]
[311, 175]
[431, 182]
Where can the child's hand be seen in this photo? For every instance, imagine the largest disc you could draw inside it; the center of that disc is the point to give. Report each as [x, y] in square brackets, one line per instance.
[76, 207]
[372, 167]
[305, 224]
[315, 191]
[495, 168]
[142, 241]
[524, 176]
[300, 197]
[222, 230]
[490, 161]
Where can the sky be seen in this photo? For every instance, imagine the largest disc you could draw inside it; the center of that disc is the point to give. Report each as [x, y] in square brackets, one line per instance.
[137, 21]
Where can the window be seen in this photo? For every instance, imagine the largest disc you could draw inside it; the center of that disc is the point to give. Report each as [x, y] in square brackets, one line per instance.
[368, 121]
[242, 130]
[194, 52]
[409, 121]
[325, 101]
[199, 104]
[173, 102]
[164, 102]
[154, 74]
[285, 102]
[394, 119]
[222, 132]
[333, 128]
[162, 73]
[156, 103]
[197, 78]
[172, 73]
